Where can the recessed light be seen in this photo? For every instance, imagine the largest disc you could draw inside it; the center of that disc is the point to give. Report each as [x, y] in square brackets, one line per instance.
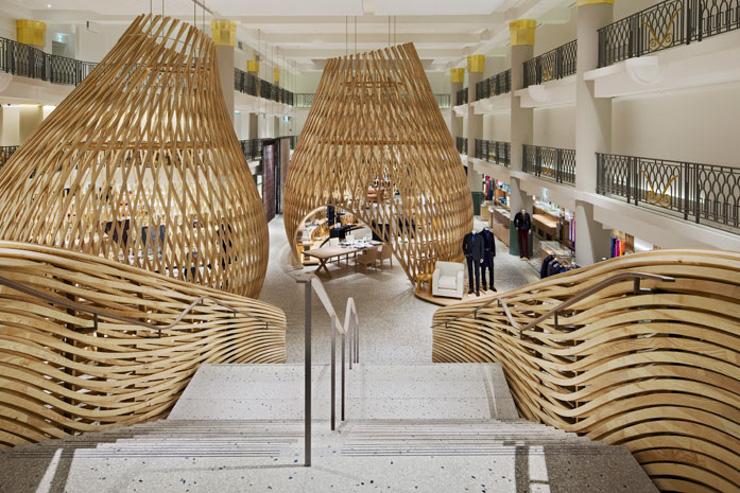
[48, 5]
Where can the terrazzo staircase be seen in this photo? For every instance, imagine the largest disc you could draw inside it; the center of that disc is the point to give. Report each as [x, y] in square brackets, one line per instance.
[223, 437]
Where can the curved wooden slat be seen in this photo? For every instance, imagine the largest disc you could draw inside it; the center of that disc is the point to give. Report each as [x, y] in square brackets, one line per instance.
[657, 372]
[374, 121]
[61, 372]
[140, 164]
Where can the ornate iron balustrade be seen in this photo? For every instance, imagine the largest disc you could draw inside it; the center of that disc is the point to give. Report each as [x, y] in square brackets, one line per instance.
[443, 100]
[493, 151]
[305, 100]
[247, 83]
[664, 25]
[699, 192]
[461, 97]
[462, 145]
[494, 85]
[553, 65]
[252, 149]
[27, 61]
[551, 163]
[5, 153]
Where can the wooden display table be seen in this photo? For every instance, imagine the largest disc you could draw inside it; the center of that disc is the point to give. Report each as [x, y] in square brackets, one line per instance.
[326, 253]
[546, 224]
[501, 223]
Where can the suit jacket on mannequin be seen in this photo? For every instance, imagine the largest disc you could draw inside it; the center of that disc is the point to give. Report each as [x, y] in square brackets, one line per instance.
[522, 221]
[473, 246]
[489, 243]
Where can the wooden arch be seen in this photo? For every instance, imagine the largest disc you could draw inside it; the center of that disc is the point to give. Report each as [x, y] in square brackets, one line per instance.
[375, 123]
[655, 371]
[140, 164]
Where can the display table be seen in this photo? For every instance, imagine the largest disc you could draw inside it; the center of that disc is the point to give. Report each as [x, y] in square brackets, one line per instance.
[326, 253]
[554, 248]
[546, 224]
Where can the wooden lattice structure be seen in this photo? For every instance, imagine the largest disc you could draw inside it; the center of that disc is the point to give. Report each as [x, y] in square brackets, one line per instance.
[654, 369]
[375, 144]
[87, 343]
[140, 164]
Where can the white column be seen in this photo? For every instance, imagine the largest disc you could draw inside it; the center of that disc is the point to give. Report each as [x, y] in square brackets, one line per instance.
[223, 33]
[457, 78]
[522, 48]
[476, 64]
[593, 129]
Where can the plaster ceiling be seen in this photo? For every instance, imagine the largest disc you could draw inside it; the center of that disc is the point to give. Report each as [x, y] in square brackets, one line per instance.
[306, 32]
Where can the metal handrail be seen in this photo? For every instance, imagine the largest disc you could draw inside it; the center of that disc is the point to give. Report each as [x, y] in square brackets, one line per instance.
[619, 277]
[351, 328]
[98, 312]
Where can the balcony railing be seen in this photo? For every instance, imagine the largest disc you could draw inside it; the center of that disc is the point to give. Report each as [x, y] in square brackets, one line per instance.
[551, 163]
[461, 97]
[664, 25]
[5, 153]
[494, 85]
[27, 61]
[443, 100]
[305, 100]
[493, 151]
[553, 65]
[462, 145]
[252, 149]
[247, 83]
[703, 193]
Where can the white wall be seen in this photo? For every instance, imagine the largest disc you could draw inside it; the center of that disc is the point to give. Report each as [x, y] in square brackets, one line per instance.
[623, 8]
[95, 41]
[550, 36]
[555, 127]
[690, 125]
[497, 126]
[9, 132]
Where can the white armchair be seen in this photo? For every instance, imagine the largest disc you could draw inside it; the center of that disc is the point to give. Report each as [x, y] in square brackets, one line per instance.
[448, 280]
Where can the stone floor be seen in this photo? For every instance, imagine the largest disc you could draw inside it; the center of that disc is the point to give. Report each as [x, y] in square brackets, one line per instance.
[395, 325]
[422, 392]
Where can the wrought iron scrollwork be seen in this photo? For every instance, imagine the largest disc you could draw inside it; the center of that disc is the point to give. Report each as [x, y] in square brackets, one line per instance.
[703, 193]
[664, 25]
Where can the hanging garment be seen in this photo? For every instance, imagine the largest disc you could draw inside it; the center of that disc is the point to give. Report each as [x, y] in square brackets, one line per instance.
[545, 263]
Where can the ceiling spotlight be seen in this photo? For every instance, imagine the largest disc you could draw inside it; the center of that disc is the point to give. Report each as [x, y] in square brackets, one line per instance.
[48, 5]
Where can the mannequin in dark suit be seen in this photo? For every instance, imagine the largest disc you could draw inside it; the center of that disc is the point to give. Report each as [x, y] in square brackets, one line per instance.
[489, 251]
[523, 223]
[473, 250]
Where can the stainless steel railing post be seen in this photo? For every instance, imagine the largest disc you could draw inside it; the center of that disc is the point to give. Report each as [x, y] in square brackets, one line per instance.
[333, 373]
[307, 371]
[357, 345]
[351, 345]
[342, 384]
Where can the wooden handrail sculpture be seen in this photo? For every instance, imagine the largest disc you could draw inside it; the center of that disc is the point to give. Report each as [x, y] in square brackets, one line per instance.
[140, 164]
[375, 125]
[656, 371]
[107, 344]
